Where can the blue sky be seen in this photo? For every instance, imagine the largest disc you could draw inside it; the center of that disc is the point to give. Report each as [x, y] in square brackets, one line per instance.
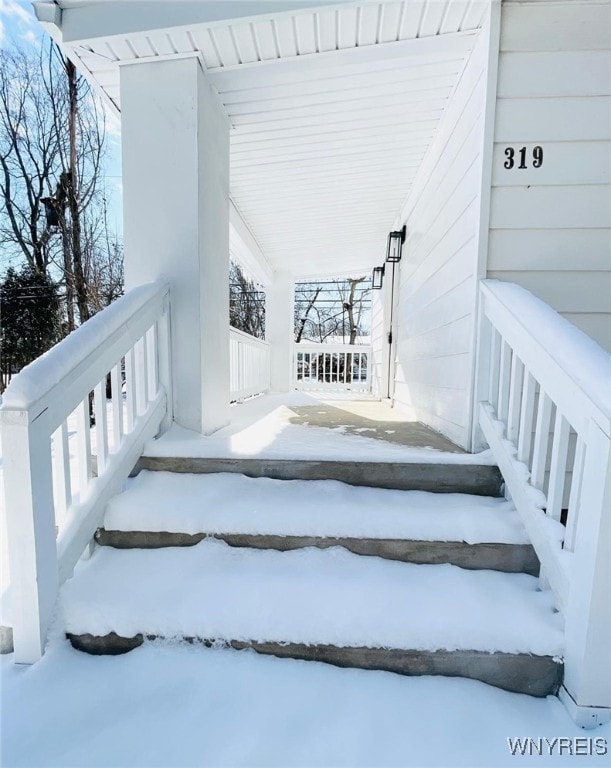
[18, 27]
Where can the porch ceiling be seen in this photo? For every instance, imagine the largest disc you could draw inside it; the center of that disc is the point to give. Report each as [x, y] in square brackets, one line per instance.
[332, 108]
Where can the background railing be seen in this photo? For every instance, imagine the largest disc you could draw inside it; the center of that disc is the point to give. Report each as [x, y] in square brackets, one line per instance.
[544, 394]
[58, 471]
[332, 367]
[249, 365]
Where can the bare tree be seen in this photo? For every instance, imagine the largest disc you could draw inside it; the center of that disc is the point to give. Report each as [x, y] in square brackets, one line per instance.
[29, 155]
[51, 147]
[246, 303]
[102, 268]
[301, 317]
[331, 308]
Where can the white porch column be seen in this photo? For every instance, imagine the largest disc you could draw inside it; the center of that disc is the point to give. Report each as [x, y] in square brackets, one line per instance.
[175, 138]
[280, 329]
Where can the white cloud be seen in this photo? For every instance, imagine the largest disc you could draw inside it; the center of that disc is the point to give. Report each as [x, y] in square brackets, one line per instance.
[1, 33]
[113, 125]
[17, 10]
[30, 37]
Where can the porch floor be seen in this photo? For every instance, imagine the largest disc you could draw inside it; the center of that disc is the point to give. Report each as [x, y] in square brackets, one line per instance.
[315, 425]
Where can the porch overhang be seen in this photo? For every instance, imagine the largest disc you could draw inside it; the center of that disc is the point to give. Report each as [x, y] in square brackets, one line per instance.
[332, 106]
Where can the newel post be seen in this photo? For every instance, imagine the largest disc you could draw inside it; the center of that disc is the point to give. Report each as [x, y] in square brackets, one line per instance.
[28, 488]
[587, 681]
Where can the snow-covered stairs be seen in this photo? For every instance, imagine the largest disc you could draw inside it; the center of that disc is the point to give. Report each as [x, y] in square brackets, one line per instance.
[278, 566]
[164, 509]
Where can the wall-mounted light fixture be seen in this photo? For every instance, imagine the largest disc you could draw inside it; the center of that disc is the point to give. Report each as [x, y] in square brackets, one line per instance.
[377, 278]
[395, 242]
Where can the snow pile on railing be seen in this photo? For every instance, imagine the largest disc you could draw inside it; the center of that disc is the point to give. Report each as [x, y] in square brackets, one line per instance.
[37, 378]
[584, 361]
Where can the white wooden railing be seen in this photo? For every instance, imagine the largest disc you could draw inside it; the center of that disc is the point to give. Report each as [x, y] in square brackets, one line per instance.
[544, 392]
[339, 367]
[249, 365]
[55, 487]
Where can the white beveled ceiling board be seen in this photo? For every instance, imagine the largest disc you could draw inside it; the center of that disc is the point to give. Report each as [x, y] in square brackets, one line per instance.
[332, 108]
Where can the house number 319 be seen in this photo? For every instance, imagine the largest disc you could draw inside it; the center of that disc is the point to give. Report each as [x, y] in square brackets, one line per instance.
[510, 154]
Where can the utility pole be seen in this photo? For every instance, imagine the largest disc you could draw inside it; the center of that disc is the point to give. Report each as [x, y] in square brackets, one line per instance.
[73, 200]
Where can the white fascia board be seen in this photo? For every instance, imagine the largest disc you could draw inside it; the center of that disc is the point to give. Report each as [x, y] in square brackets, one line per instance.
[97, 18]
[49, 16]
[245, 249]
[48, 12]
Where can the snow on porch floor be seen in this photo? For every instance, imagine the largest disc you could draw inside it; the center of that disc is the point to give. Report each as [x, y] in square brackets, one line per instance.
[315, 425]
[172, 706]
[312, 596]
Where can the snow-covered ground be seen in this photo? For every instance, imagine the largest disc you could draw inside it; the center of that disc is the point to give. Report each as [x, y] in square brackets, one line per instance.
[175, 706]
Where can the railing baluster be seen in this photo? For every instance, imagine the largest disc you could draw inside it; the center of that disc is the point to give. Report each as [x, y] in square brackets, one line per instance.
[504, 382]
[61, 472]
[527, 411]
[153, 345]
[117, 405]
[575, 494]
[141, 375]
[557, 476]
[495, 363]
[83, 432]
[130, 389]
[515, 399]
[544, 413]
[101, 431]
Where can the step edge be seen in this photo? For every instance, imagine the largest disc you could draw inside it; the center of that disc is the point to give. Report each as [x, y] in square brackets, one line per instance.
[511, 558]
[476, 479]
[546, 682]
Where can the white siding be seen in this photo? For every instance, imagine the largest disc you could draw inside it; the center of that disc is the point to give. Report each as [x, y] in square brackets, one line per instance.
[550, 228]
[435, 317]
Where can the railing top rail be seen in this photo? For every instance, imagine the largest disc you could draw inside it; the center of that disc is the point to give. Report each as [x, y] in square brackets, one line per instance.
[247, 336]
[555, 351]
[37, 383]
[316, 347]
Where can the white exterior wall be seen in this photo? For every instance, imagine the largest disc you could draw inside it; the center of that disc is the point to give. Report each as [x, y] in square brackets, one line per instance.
[550, 228]
[434, 323]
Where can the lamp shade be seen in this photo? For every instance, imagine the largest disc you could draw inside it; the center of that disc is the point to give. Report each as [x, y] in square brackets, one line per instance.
[377, 278]
[395, 243]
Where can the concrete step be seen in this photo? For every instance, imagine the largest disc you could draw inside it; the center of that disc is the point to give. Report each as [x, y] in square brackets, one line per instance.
[165, 509]
[538, 676]
[329, 606]
[477, 479]
[507, 558]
